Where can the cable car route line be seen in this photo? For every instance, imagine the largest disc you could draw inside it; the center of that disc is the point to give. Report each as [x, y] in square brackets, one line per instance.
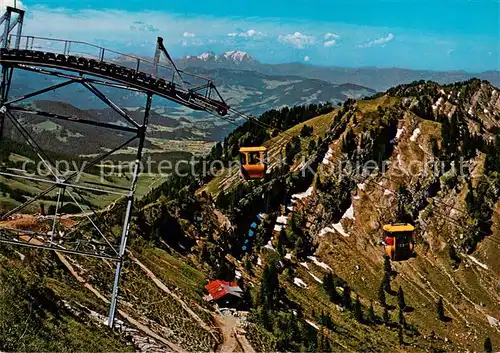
[447, 205]
[257, 122]
[443, 216]
[488, 236]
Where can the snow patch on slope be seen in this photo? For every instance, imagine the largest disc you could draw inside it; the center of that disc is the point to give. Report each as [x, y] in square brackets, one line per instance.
[325, 231]
[319, 263]
[349, 213]
[313, 324]
[438, 103]
[328, 155]
[303, 195]
[304, 264]
[269, 245]
[299, 283]
[339, 228]
[399, 133]
[493, 321]
[415, 135]
[477, 262]
[316, 278]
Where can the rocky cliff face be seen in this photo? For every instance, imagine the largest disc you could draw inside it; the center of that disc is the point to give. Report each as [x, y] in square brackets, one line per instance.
[426, 155]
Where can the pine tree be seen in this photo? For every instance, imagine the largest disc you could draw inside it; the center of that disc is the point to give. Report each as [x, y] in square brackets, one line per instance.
[488, 346]
[323, 344]
[381, 295]
[469, 198]
[400, 335]
[440, 309]
[385, 315]
[401, 299]
[358, 313]
[269, 288]
[401, 317]
[325, 320]
[387, 265]
[454, 256]
[329, 287]
[387, 282]
[311, 147]
[371, 314]
[280, 249]
[347, 297]
[248, 265]
[289, 274]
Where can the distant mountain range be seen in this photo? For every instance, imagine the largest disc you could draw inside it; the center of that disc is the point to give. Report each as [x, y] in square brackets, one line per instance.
[245, 83]
[379, 79]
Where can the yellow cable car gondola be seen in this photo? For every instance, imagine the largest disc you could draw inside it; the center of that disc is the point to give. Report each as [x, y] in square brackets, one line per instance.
[399, 242]
[253, 162]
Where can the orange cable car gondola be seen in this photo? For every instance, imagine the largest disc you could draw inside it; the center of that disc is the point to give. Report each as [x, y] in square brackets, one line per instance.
[253, 162]
[399, 242]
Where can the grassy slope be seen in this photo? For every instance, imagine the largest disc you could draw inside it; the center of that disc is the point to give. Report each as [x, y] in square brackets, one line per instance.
[44, 324]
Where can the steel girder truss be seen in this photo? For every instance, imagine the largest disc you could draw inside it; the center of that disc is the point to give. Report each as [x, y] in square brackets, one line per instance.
[98, 244]
[91, 71]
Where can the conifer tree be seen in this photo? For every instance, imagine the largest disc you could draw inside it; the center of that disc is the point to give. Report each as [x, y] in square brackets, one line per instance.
[323, 344]
[387, 282]
[387, 265]
[488, 346]
[440, 309]
[269, 287]
[469, 198]
[358, 313]
[381, 295]
[385, 316]
[329, 287]
[400, 335]
[371, 314]
[347, 297]
[401, 317]
[311, 147]
[401, 299]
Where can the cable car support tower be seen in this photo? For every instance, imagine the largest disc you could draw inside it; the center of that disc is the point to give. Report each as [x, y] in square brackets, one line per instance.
[90, 66]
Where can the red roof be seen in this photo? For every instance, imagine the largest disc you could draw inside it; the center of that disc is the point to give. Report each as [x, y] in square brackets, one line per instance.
[217, 289]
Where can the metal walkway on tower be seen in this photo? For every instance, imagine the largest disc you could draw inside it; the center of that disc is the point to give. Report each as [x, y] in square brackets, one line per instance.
[199, 93]
[90, 66]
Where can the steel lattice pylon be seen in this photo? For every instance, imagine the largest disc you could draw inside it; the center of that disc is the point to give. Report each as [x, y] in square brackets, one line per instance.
[90, 71]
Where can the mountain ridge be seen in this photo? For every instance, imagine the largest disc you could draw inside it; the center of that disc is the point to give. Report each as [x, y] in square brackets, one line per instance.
[378, 78]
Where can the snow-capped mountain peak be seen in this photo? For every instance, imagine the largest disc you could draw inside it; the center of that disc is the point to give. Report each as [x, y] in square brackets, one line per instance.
[234, 56]
[237, 56]
[207, 56]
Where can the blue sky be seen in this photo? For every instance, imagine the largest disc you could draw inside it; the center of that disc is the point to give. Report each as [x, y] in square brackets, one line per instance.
[436, 35]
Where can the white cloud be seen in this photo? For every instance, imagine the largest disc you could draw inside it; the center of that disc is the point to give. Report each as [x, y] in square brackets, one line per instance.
[329, 43]
[306, 58]
[143, 27]
[298, 40]
[191, 41]
[331, 35]
[379, 41]
[330, 39]
[246, 34]
[189, 35]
